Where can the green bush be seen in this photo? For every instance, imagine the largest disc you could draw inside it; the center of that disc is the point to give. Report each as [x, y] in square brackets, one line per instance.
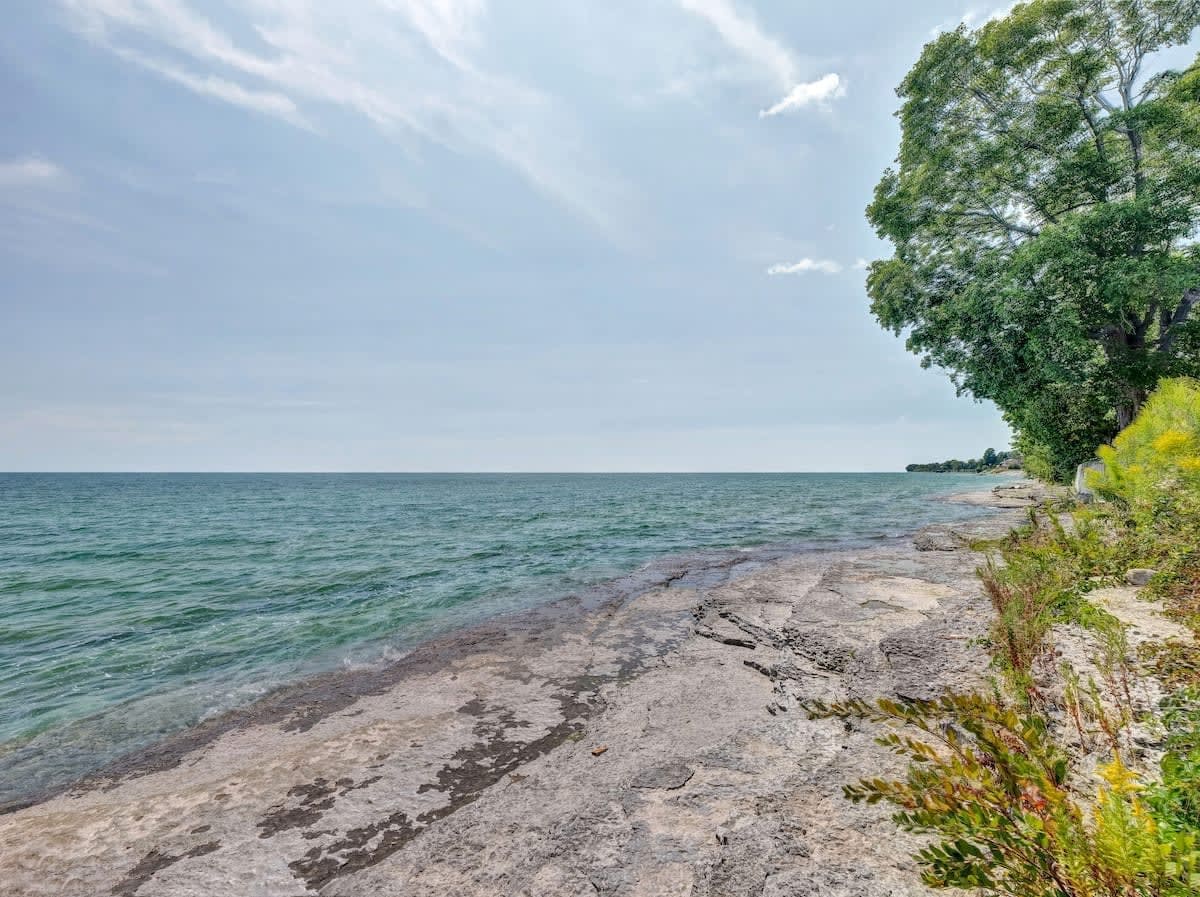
[990, 783]
[1039, 461]
[985, 774]
[1176, 799]
[1153, 465]
[1152, 477]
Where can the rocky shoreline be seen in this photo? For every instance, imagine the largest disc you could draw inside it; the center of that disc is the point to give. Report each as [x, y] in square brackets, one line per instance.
[647, 745]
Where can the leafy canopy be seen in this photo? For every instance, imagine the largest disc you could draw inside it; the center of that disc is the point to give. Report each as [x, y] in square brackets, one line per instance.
[1043, 211]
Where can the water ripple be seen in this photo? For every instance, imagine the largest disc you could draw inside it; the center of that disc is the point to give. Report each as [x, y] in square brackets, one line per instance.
[133, 605]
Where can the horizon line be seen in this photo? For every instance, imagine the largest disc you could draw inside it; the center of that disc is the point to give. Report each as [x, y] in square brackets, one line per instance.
[458, 472]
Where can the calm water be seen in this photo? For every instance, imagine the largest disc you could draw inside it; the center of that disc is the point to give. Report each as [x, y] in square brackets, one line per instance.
[134, 605]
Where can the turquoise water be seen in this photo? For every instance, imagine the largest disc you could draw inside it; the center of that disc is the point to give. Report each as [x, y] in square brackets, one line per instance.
[134, 605]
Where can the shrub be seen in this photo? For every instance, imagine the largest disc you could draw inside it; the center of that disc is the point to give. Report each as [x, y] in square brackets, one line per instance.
[1038, 460]
[1152, 475]
[1037, 580]
[991, 784]
[1153, 465]
[986, 777]
[1176, 799]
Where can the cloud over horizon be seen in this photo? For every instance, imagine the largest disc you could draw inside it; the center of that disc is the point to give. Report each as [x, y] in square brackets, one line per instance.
[806, 265]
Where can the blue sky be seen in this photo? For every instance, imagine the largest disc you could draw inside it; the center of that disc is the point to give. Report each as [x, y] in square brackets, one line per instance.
[456, 235]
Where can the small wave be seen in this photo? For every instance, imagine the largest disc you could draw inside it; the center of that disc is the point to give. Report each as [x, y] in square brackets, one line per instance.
[354, 570]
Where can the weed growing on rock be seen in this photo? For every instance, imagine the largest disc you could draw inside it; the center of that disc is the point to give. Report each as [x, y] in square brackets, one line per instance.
[988, 776]
[992, 785]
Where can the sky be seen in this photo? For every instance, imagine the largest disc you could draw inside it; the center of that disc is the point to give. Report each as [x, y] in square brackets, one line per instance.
[442, 235]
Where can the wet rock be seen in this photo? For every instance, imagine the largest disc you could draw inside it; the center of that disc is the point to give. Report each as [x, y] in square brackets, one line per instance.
[154, 862]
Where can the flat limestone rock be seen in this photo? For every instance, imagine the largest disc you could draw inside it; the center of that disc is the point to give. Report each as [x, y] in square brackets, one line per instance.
[1022, 494]
[896, 593]
[1144, 618]
[469, 767]
[669, 777]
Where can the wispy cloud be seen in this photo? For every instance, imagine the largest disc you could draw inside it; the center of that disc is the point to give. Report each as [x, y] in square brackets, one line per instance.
[861, 264]
[768, 54]
[744, 35]
[267, 102]
[30, 171]
[804, 266]
[45, 220]
[822, 90]
[410, 67]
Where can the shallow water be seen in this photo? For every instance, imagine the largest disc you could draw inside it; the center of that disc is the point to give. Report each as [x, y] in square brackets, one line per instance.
[132, 605]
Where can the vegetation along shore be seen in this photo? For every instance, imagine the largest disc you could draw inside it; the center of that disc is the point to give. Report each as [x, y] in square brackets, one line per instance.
[990, 460]
[1043, 213]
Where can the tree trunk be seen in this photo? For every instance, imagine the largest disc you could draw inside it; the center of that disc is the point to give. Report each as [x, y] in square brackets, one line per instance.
[1127, 410]
[1125, 415]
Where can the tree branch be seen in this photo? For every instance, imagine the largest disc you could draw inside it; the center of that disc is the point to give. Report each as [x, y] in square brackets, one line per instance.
[1166, 339]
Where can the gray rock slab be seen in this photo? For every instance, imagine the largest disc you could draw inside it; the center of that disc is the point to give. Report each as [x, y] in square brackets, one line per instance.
[669, 777]
[472, 767]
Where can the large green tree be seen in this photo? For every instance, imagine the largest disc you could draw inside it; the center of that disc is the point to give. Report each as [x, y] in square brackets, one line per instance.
[1043, 211]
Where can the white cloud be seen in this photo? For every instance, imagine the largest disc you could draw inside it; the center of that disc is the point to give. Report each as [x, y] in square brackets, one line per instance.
[410, 67]
[743, 34]
[824, 89]
[267, 102]
[861, 265]
[824, 266]
[768, 54]
[30, 171]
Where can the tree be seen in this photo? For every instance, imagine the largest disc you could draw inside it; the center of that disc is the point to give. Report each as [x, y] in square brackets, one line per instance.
[1043, 213]
[989, 458]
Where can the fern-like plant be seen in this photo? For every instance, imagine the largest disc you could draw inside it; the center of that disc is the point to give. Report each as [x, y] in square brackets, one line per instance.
[989, 782]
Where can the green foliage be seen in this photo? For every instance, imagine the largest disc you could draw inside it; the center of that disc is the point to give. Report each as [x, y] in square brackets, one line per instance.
[1040, 461]
[1176, 799]
[1153, 465]
[987, 778]
[991, 785]
[1042, 209]
[1038, 577]
[1178, 582]
[1152, 476]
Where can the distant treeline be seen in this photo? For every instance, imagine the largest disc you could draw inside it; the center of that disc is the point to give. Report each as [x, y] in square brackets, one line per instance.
[991, 458]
